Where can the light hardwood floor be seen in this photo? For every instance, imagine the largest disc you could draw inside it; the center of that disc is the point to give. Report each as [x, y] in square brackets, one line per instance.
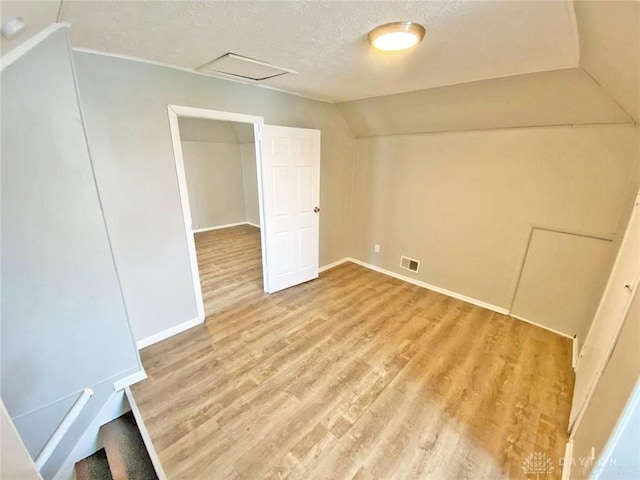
[355, 375]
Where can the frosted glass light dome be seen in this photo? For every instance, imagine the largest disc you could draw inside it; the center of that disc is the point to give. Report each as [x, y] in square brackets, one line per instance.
[396, 36]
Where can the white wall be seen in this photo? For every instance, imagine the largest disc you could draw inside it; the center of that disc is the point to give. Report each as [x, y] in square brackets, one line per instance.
[125, 105]
[611, 394]
[64, 323]
[464, 203]
[215, 183]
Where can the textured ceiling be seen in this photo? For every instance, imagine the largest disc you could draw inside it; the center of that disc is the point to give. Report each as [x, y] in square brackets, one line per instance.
[326, 40]
[36, 16]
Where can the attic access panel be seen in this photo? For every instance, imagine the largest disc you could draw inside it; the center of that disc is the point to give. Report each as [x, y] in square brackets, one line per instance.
[243, 67]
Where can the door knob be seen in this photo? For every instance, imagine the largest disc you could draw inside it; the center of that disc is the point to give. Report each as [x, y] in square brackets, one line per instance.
[316, 209]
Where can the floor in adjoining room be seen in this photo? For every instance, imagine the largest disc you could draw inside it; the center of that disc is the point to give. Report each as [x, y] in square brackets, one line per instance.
[355, 375]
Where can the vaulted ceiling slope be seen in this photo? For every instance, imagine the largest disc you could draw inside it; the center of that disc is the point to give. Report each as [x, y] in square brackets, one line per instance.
[325, 41]
[610, 48]
[604, 90]
[561, 97]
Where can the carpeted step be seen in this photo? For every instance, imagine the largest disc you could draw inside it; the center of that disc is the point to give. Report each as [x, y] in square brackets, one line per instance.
[126, 452]
[94, 467]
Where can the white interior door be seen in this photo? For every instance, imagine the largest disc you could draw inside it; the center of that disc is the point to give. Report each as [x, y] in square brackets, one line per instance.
[291, 193]
[609, 317]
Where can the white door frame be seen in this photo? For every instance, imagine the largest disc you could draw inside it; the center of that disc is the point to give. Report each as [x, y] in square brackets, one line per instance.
[176, 111]
[573, 425]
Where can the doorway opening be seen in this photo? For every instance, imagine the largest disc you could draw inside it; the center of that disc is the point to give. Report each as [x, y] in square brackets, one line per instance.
[218, 167]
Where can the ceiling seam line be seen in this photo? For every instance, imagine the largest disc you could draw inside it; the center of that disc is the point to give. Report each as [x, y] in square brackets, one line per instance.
[471, 130]
[608, 94]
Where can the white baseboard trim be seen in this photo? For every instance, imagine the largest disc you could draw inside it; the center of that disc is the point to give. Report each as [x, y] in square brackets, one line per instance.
[444, 291]
[576, 352]
[90, 442]
[146, 438]
[220, 227]
[568, 458]
[333, 264]
[169, 332]
[557, 332]
[130, 380]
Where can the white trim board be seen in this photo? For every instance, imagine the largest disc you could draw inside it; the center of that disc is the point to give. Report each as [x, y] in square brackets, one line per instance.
[220, 227]
[169, 332]
[228, 225]
[174, 130]
[146, 438]
[175, 111]
[444, 291]
[334, 264]
[184, 111]
[145, 342]
[130, 380]
[568, 457]
[557, 332]
[30, 43]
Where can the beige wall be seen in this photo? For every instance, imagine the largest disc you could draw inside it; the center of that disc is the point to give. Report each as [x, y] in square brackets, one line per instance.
[561, 97]
[611, 393]
[125, 111]
[215, 183]
[562, 280]
[464, 203]
[250, 181]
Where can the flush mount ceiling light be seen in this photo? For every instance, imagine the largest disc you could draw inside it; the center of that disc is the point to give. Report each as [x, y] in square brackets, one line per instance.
[395, 36]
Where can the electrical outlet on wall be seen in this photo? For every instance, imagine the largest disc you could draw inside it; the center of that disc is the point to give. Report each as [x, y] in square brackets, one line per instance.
[376, 248]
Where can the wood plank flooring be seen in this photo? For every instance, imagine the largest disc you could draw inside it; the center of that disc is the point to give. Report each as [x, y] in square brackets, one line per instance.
[355, 375]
